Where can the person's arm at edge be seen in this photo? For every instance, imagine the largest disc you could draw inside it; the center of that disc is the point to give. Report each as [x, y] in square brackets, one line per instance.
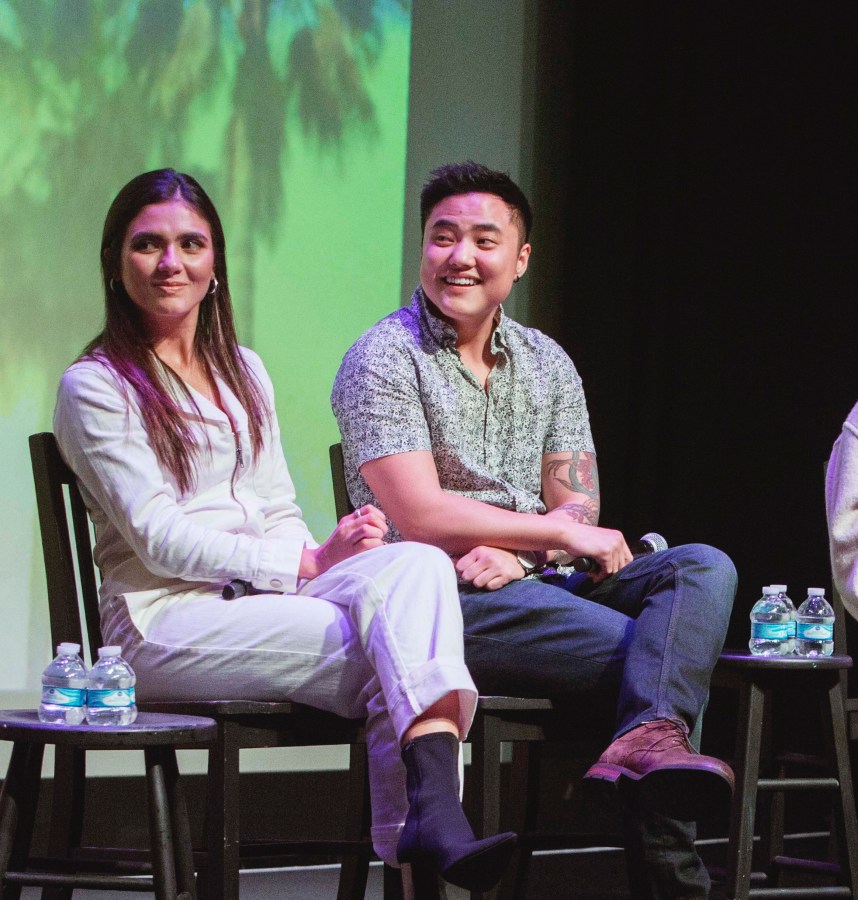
[841, 502]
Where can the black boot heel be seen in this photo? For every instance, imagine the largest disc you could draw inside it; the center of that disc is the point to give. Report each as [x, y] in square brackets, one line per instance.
[420, 882]
[437, 836]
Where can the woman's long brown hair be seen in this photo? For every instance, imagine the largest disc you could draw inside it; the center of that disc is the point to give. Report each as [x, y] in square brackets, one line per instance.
[126, 348]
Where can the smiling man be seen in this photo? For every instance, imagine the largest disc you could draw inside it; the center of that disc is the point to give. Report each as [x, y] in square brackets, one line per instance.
[471, 433]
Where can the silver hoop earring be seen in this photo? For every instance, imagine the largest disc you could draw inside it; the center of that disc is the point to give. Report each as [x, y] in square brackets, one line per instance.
[213, 288]
[112, 286]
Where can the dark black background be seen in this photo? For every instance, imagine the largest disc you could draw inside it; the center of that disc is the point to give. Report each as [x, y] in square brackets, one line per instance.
[694, 247]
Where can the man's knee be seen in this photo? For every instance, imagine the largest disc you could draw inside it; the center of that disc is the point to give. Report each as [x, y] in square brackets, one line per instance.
[712, 570]
[709, 560]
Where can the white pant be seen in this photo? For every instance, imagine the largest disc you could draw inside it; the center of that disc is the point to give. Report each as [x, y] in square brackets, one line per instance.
[378, 635]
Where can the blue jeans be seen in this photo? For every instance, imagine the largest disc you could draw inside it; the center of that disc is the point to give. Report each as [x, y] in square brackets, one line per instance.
[650, 635]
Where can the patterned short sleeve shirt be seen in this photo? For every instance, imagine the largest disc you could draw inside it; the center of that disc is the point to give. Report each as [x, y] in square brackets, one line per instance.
[402, 387]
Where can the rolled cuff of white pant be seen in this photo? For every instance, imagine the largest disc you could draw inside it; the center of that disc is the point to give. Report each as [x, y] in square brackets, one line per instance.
[385, 840]
[425, 686]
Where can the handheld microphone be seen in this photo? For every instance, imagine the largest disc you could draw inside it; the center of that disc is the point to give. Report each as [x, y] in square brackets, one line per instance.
[649, 543]
[235, 589]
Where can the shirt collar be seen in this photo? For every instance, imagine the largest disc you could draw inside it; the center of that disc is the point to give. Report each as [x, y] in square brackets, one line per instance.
[444, 333]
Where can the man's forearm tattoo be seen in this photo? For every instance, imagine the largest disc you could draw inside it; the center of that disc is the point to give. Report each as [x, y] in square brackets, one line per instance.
[586, 513]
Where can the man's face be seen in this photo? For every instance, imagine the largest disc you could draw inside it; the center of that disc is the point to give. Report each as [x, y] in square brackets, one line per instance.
[471, 254]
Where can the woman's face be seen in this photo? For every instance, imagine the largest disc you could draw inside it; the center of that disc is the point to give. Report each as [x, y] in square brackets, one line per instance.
[167, 264]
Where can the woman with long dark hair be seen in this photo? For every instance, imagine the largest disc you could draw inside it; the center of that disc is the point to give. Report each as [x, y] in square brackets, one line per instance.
[170, 428]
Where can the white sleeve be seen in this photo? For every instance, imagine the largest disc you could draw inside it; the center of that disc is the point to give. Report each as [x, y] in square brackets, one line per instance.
[103, 439]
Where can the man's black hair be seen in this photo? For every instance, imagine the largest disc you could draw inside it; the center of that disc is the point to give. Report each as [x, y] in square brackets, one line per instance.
[469, 178]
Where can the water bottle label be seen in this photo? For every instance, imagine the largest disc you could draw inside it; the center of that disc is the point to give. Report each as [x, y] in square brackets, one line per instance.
[110, 699]
[815, 631]
[63, 696]
[770, 631]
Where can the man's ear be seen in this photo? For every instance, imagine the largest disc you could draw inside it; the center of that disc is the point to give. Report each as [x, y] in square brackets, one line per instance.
[523, 259]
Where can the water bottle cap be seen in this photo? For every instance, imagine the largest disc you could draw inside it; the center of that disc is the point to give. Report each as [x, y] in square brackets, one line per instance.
[770, 589]
[68, 649]
[781, 588]
[112, 650]
[817, 592]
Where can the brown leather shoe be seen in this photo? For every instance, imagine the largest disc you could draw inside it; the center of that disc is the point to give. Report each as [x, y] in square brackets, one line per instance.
[670, 776]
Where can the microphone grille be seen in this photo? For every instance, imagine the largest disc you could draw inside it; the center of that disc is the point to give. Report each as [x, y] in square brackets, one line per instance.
[655, 540]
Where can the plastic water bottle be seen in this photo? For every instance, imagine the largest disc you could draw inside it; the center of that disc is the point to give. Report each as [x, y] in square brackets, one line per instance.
[64, 688]
[815, 625]
[769, 625]
[782, 592]
[110, 690]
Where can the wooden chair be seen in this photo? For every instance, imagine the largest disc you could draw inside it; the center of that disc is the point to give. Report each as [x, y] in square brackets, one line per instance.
[73, 603]
[171, 873]
[522, 722]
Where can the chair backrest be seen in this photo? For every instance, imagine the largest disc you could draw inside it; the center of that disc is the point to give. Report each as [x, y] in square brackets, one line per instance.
[72, 596]
[342, 503]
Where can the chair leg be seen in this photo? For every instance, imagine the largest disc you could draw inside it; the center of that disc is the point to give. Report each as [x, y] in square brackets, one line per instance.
[844, 811]
[67, 810]
[421, 884]
[181, 825]
[354, 869]
[771, 825]
[160, 826]
[219, 877]
[392, 883]
[522, 796]
[18, 801]
[740, 846]
[485, 784]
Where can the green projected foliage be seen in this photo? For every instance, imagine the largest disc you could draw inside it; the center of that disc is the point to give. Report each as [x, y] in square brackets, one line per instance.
[291, 113]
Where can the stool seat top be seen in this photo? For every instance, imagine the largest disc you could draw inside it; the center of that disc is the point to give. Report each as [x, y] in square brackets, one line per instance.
[744, 659]
[148, 730]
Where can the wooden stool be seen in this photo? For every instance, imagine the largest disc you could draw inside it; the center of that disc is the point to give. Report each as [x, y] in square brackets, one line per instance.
[157, 736]
[757, 679]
